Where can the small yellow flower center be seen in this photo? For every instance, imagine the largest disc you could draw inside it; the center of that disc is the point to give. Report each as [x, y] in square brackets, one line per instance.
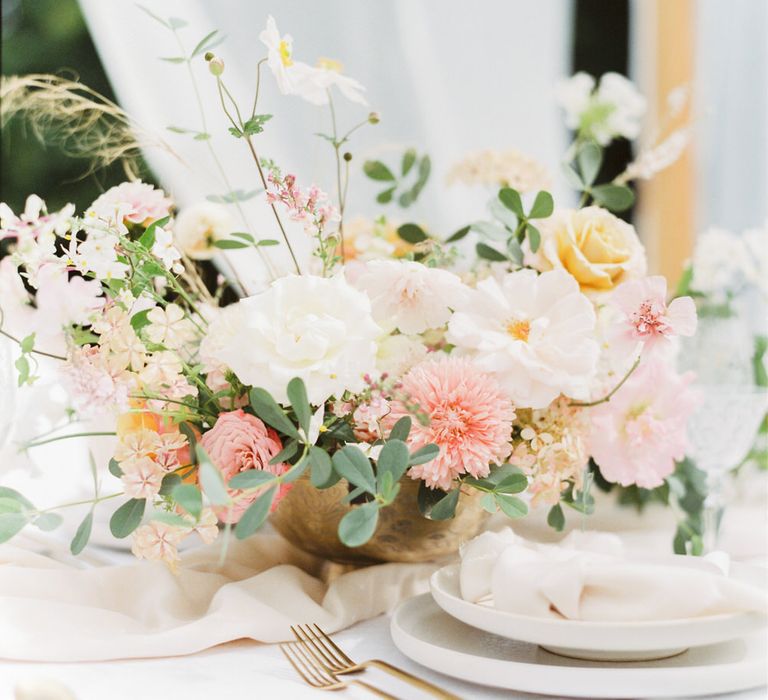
[330, 64]
[285, 53]
[519, 330]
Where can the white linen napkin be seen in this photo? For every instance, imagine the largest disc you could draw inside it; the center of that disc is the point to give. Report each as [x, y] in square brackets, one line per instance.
[588, 577]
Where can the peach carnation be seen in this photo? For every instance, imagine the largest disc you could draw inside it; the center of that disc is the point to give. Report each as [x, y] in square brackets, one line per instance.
[466, 414]
[238, 442]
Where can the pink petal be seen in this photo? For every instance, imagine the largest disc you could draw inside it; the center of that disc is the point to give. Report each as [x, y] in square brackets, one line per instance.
[681, 316]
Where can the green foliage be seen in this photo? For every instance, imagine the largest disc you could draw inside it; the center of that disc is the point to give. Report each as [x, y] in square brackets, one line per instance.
[556, 518]
[82, 535]
[409, 185]
[127, 517]
[256, 514]
[266, 408]
[189, 498]
[358, 526]
[297, 395]
[211, 480]
[255, 125]
[355, 467]
[233, 196]
[411, 233]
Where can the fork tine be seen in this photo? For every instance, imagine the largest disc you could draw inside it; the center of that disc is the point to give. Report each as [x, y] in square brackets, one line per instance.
[323, 655]
[334, 646]
[298, 668]
[310, 663]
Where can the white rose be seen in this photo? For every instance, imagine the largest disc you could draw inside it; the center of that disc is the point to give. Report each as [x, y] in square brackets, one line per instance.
[199, 226]
[410, 296]
[535, 333]
[315, 328]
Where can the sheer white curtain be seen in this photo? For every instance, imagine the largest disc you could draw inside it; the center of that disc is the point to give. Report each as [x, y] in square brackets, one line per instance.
[447, 77]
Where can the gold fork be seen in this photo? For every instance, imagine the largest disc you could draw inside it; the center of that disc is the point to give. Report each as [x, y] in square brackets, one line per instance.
[334, 661]
[318, 677]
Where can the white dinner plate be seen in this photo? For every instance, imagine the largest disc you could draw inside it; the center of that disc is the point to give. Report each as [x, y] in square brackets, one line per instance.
[607, 641]
[431, 637]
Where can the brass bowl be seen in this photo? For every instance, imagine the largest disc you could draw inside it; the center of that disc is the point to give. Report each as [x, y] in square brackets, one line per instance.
[309, 519]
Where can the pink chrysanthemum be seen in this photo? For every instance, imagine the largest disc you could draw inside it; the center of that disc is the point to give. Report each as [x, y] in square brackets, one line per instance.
[638, 434]
[469, 418]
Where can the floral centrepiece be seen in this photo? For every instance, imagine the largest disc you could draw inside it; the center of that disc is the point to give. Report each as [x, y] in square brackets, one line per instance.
[481, 360]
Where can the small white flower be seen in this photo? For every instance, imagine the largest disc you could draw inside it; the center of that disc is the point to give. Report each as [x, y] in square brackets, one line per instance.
[97, 255]
[614, 109]
[169, 327]
[279, 56]
[164, 249]
[198, 227]
[162, 368]
[410, 296]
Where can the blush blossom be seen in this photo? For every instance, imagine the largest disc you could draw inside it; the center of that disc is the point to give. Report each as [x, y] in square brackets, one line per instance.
[239, 442]
[467, 416]
[410, 296]
[137, 202]
[645, 316]
[638, 435]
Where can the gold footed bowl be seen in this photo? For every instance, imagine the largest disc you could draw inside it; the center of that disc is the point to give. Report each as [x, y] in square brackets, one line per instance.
[309, 519]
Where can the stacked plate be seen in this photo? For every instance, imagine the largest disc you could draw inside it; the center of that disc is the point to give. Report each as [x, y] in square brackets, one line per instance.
[475, 642]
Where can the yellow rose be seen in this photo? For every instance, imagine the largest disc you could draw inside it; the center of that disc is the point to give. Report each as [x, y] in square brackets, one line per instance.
[597, 248]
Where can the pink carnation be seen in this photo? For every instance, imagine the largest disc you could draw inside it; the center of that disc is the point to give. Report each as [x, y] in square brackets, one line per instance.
[638, 435]
[239, 442]
[138, 202]
[647, 318]
[469, 418]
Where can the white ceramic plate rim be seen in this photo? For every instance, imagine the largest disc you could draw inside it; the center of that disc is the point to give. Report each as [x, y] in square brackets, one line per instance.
[578, 679]
[646, 635]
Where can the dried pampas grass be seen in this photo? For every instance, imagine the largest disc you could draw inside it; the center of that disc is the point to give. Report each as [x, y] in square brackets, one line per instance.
[77, 119]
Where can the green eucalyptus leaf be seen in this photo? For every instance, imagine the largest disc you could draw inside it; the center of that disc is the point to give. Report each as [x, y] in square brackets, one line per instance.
[613, 197]
[424, 454]
[445, 508]
[572, 177]
[355, 467]
[487, 253]
[210, 479]
[514, 483]
[488, 503]
[534, 237]
[256, 514]
[411, 233]
[401, 429]
[512, 506]
[322, 475]
[189, 498]
[227, 244]
[172, 519]
[295, 471]
[169, 483]
[427, 498]
[409, 159]
[589, 158]
[511, 199]
[251, 479]
[385, 196]
[543, 206]
[11, 523]
[127, 517]
[266, 408]
[461, 233]
[376, 170]
[556, 517]
[13, 495]
[82, 535]
[297, 395]
[288, 452]
[393, 459]
[490, 230]
[48, 521]
[358, 526]
[515, 250]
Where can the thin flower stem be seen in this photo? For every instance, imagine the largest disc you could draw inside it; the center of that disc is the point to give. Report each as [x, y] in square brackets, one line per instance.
[222, 174]
[196, 409]
[93, 501]
[258, 85]
[610, 394]
[340, 190]
[36, 352]
[240, 127]
[37, 443]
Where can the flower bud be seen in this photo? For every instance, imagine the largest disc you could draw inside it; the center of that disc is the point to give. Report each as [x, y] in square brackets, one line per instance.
[209, 55]
[374, 118]
[216, 66]
[347, 156]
